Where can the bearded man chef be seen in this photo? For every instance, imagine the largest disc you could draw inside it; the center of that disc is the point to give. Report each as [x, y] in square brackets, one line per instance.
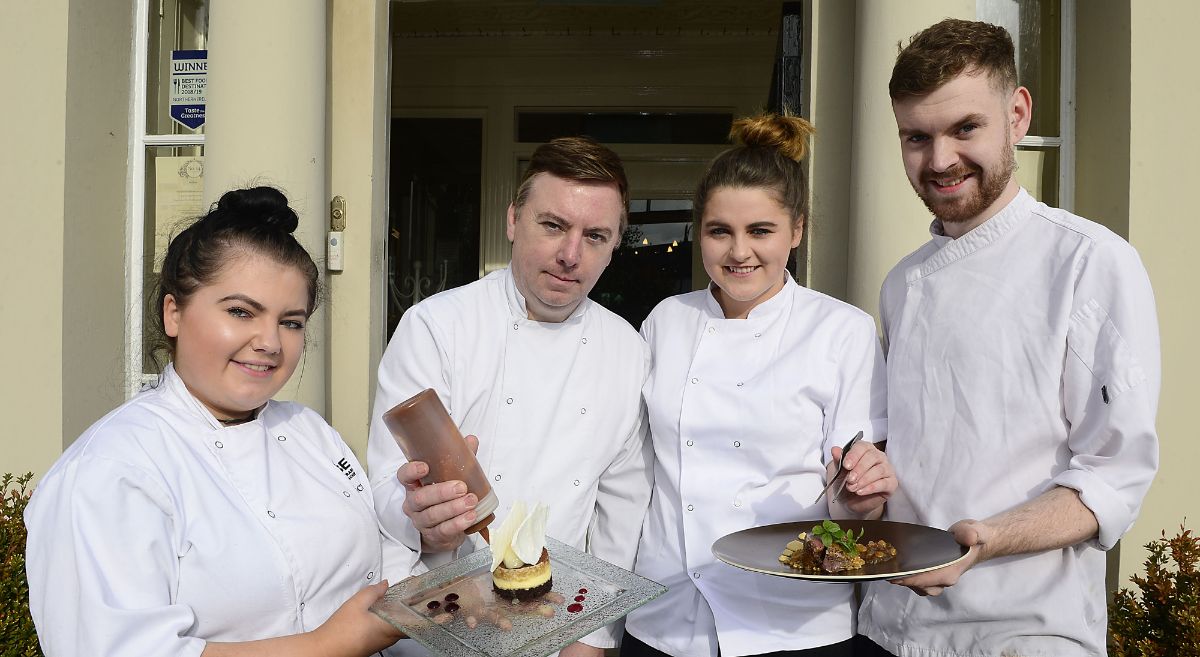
[1023, 375]
[549, 380]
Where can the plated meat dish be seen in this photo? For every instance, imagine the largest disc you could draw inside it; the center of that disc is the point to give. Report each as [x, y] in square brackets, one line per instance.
[830, 549]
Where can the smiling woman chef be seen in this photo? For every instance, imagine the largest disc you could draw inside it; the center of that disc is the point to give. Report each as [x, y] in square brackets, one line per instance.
[202, 517]
[753, 382]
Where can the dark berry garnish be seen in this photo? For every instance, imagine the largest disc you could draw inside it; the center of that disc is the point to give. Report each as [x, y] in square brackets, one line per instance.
[451, 597]
[580, 598]
[452, 607]
[574, 607]
[433, 604]
[582, 591]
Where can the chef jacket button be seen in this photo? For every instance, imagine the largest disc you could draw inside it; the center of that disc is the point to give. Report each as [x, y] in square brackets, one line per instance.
[497, 477]
[371, 575]
[691, 508]
[346, 493]
[695, 575]
[270, 513]
[583, 411]
[758, 335]
[695, 380]
[740, 384]
[508, 401]
[712, 329]
[583, 340]
[360, 488]
[737, 503]
[219, 444]
[576, 482]
[281, 438]
[737, 443]
[516, 326]
[690, 443]
[301, 605]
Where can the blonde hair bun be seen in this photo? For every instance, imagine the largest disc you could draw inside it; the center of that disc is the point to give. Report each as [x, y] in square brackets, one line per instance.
[789, 134]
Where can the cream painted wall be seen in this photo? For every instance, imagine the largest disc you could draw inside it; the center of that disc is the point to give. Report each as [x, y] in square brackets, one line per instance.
[887, 221]
[32, 173]
[359, 116]
[266, 124]
[1102, 80]
[1163, 226]
[94, 317]
[831, 75]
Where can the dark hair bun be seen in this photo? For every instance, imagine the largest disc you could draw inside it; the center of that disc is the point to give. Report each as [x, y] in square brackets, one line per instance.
[789, 134]
[258, 206]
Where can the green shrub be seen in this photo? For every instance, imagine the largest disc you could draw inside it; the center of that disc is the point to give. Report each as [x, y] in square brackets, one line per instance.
[1161, 619]
[17, 636]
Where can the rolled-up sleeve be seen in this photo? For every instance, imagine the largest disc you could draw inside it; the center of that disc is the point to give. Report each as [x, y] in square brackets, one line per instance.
[1110, 388]
[102, 565]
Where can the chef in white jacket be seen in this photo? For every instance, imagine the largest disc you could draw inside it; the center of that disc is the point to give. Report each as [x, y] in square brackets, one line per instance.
[756, 384]
[548, 380]
[201, 517]
[1023, 375]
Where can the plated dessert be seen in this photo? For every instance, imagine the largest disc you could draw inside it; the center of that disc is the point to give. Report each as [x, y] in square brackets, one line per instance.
[827, 548]
[520, 563]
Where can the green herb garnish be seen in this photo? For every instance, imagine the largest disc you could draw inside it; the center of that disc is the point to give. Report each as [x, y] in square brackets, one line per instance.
[830, 532]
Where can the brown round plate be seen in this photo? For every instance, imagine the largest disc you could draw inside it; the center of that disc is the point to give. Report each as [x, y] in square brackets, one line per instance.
[918, 549]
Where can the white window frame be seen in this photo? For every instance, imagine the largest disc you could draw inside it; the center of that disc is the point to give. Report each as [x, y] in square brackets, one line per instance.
[136, 215]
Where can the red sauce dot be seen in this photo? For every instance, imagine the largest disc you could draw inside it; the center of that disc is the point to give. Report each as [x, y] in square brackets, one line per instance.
[452, 607]
[579, 598]
[574, 607]
[433, 604]
[451, 597]
[582, 591]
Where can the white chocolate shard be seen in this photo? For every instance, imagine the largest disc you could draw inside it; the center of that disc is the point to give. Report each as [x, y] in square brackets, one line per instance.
[502, 538]
[530, 537]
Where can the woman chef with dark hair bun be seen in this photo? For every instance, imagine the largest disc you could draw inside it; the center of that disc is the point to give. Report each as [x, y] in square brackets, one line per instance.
[202, 517]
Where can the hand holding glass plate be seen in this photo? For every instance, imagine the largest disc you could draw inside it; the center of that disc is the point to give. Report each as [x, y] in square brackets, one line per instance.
[469, 619]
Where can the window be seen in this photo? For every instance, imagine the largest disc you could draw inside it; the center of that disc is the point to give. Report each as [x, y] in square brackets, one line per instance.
[1043, 33]
[167, 156]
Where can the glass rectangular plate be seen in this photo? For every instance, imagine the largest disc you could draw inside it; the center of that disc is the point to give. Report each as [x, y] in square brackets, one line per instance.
[612, 593]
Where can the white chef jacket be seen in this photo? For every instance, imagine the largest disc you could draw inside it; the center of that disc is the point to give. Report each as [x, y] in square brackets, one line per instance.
[744, 414]
[556, 406]
[1023, 355]
[159, 530]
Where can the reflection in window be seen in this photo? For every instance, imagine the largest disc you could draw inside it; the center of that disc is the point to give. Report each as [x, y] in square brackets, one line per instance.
[653, 262]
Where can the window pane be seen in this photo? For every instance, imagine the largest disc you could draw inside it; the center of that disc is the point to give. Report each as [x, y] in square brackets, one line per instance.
[174, 198]
[1036, 28]
[174, 25]
[653, 262]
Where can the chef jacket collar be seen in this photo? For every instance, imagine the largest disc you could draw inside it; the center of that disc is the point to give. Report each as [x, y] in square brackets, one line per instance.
[765, 310]
[516, 302]
[174, 386]
[951, 250]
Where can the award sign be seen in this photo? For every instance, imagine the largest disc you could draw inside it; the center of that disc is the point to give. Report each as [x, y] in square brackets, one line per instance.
[189, 77]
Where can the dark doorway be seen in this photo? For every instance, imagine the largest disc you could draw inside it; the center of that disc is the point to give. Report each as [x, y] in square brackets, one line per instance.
[433, 228]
